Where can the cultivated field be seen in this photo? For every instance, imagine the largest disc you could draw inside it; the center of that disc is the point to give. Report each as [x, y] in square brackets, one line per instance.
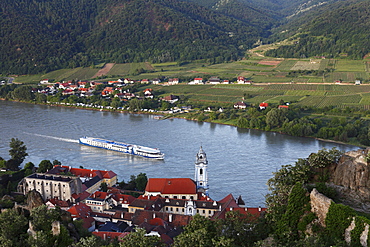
[273, 80]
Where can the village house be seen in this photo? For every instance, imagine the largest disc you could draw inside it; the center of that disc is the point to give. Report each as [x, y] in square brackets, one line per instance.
[170, 98]
[263, 105]
[241, 80]
[240, 105]
[173, 81]
[144, 81]
[107, 91]
[55, 202]
[148, 93]
[128, 81]
[214, 80]
[99, 201]
[196, 81]
[156, 81]
[44, 81]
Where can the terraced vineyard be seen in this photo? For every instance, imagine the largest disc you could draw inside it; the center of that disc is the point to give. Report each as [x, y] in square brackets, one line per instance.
[314, 95]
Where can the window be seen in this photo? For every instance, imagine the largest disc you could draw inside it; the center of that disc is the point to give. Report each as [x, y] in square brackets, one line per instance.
[175, 197]
[201, 171]
[204, 211]
[183, 197]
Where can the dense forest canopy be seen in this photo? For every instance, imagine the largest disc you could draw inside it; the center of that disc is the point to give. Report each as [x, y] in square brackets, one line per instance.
[44, 35]
[342, 32]
[39, 36]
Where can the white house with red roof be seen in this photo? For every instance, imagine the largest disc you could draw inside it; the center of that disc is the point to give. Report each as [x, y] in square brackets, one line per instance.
[99, 201]
[263, 105]
[241, 80]
[107, 90]
[196, 81]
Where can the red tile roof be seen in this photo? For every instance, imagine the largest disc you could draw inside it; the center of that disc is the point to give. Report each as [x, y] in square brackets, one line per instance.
[80, 210]
[99, 195]
[283, 106]
[84, 172]
[60, 203]
[171, 186]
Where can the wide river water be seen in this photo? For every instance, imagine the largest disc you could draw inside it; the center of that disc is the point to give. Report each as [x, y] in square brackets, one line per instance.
[240, 161]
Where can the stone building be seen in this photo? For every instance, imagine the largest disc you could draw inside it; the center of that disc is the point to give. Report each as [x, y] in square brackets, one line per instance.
[51, 186]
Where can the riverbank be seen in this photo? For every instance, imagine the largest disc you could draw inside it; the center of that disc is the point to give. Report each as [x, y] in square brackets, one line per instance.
[184, 115]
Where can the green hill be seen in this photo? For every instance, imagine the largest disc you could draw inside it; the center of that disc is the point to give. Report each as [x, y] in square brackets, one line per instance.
[40, 36]
[341, 31]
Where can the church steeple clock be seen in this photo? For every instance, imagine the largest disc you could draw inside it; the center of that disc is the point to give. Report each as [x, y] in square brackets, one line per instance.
[201, 175]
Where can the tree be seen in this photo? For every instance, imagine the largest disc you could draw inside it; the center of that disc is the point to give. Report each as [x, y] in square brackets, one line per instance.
[44, 166]
[135, 104]
[58, 163]
[104, 187]
[200, 231]
[23, 93]
[13, 228]
[141, 181]
[17, 150]
[138, 239]
[276, 117]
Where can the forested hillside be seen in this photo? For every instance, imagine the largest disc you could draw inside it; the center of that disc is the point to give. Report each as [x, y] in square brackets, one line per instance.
[39, 36]
[342, 32]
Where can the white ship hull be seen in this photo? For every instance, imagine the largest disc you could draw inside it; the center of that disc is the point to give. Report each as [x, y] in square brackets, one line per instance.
[132, 149]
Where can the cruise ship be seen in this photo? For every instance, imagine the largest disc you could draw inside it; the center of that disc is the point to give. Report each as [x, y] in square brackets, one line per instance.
[146, 152]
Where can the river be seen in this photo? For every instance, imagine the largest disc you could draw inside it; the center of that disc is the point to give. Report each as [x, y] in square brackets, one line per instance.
[240, 161]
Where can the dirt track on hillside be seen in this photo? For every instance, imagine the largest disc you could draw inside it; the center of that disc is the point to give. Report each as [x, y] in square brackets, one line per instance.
[103, 71]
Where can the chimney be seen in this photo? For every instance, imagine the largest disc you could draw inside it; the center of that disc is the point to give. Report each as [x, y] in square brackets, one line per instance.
[259, 209]
[153, 215]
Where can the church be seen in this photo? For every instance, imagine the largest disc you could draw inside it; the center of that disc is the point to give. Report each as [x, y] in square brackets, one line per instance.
[186, 196]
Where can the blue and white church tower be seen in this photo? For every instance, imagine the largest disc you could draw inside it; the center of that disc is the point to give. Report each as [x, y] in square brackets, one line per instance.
[201, 175]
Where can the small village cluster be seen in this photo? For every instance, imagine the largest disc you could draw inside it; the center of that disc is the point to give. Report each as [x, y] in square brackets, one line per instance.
[86, 88]
[166, 205]
[115, 89]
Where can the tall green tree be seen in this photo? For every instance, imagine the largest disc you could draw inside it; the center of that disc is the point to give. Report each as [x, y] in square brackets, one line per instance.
[17, 152]
[44, 166]
[141, 181]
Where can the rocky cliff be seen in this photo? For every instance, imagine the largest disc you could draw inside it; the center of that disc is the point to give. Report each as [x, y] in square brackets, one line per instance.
[350, 178]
